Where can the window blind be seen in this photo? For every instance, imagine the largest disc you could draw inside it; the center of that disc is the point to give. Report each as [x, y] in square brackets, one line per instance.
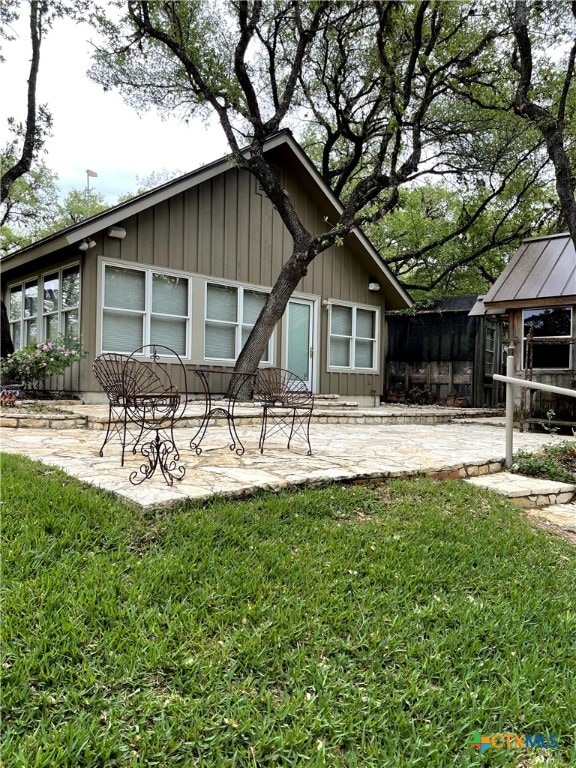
[222, 303]
[365, 324]
[220, 341]
[340, 352]
[363, 354]
[299, 339]
[353, 334]
[341, 321]
[124, 288]
[169, 332]
[169, 295]
[252, 306]
[122, 332]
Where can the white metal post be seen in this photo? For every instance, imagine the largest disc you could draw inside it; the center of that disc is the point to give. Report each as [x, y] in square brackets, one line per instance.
[509, 407]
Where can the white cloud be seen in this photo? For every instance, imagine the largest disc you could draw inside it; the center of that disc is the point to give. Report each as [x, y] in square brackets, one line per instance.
[95, 129]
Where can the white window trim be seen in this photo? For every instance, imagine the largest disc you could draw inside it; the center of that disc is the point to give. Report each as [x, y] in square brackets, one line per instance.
[40, 314]
[570, 346]
[239, 324]
[147, 314]
[376, 341]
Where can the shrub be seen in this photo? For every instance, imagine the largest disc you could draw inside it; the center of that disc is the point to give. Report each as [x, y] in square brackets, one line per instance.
[33, 364]
[554, 462]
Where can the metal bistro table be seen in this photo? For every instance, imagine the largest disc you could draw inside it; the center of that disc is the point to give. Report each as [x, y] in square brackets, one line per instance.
[157, 414]
[220, 408]
[154, 404]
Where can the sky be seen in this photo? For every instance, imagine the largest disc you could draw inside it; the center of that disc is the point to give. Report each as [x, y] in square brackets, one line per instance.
[93, 129]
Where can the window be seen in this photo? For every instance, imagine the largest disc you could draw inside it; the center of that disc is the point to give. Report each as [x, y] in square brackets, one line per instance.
[51, 305]
[489, 351]
[143, 306]
[45, 307]
[552, 331]
[231, 312]
[15, 315]
[353, 336]
[31, 312]
[70, 304]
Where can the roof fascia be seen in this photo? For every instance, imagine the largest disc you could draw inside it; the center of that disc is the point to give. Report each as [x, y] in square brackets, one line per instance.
[554, 301]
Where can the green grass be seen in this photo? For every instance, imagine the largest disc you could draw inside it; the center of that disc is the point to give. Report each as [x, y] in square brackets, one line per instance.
[349, 626]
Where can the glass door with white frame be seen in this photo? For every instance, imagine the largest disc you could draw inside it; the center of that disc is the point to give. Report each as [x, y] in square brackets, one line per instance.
[300, 339]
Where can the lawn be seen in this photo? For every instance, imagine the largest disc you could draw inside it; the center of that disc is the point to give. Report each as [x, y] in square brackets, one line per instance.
[373, 626]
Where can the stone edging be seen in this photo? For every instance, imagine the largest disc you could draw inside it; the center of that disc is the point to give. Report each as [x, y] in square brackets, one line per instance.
[43, 421]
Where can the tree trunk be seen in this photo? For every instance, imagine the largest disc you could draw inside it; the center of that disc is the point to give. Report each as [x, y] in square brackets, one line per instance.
[551, 127]
[31, 137]
[564, 179]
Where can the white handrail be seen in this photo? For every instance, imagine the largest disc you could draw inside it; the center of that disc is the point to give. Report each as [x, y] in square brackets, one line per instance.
[536, 385]
[511, 381]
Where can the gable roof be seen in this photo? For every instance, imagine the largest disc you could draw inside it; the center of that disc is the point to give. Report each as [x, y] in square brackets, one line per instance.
[541, 270]
[283, 144]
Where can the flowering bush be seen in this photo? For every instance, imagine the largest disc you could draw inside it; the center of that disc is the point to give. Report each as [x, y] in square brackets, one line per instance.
[31, 365]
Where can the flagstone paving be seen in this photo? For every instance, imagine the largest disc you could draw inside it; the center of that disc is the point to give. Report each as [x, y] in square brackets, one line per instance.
[341, 452]
[349, 445]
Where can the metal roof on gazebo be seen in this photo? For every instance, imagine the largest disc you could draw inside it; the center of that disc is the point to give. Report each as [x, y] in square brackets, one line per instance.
[543, 268]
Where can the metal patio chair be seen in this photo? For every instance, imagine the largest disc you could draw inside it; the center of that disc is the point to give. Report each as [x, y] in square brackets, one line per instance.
[109, 369]
[287, 405]
[127, 381]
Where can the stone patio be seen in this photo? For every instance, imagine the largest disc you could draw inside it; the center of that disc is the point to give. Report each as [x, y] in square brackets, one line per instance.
[349, 445]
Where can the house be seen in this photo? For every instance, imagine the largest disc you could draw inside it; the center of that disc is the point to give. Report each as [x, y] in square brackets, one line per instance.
[537, 291]
[446, 352]
[189, 264]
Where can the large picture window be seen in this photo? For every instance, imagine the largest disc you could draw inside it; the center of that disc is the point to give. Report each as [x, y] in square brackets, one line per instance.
[144, 306]
[353, 337]
[46, 306]
[231, 312]
[551, 329]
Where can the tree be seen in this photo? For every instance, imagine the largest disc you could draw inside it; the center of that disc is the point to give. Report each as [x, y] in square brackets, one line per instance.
[155, 179]
[74, 208]
[379, 79]
[548, 106]
[494, 184]
[21, 152]
[15, 161]
[416, 239]
[28, 209]
[29, 135]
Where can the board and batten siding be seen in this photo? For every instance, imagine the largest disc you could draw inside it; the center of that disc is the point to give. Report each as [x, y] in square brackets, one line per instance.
[225, 229]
